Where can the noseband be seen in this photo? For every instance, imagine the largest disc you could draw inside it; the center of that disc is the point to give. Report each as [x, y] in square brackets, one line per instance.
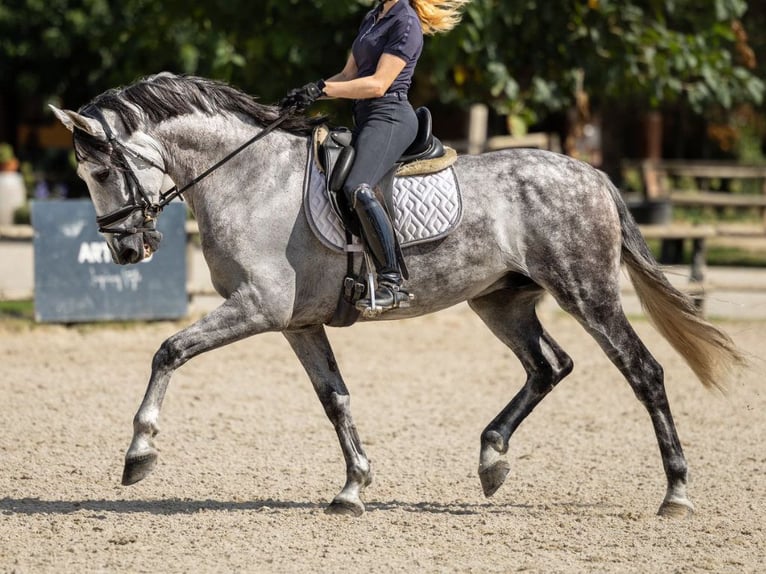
[139, 199]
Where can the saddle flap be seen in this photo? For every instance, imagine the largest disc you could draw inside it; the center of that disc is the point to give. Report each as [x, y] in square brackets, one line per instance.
[334, 153]
[330, 146]
[339, 172]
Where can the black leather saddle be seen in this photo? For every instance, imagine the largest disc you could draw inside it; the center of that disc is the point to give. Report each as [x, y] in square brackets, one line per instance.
[336, 154]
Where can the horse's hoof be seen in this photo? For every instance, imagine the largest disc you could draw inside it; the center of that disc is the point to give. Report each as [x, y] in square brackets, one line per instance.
[138, 468]
[677, 508]
[492, 477]
[345, 507]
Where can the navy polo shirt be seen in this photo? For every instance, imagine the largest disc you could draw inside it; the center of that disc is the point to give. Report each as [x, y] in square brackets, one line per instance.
[398, 33]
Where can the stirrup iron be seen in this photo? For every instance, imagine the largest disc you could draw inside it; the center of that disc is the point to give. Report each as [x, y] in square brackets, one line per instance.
[370, 307]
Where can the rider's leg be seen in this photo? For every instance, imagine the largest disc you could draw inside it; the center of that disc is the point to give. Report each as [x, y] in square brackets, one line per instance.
[385, 127]
[379, 236]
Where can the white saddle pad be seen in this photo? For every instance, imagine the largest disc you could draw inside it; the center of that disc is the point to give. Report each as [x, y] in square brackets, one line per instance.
[428, 207]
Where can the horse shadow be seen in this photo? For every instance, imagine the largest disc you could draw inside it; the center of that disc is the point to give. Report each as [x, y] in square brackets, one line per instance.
[178, 506]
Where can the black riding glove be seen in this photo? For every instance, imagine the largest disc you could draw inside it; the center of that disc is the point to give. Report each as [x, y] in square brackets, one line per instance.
[302, 98]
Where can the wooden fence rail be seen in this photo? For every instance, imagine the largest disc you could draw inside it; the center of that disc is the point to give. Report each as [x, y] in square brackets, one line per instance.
[662, 180]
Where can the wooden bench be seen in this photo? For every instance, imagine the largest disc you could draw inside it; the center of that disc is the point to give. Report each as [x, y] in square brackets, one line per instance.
[673, 236]
[718, 199]
[661, 181]
[677, 233]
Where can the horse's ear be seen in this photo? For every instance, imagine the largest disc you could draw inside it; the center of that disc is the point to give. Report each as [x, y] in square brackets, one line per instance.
[72, 120]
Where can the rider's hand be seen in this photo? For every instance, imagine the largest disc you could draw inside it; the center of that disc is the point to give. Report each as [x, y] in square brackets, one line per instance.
[302, 98]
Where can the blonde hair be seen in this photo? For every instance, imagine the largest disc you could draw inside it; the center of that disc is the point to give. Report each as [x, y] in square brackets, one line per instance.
[438, 15]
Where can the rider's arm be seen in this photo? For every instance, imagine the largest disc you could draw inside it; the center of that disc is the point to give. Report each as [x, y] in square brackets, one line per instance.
[389, 67]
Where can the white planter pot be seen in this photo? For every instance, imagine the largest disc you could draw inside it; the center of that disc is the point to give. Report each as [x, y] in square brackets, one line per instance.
[13, 194]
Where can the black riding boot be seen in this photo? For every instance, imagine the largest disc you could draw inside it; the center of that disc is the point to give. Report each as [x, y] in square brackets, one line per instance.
[379, 236]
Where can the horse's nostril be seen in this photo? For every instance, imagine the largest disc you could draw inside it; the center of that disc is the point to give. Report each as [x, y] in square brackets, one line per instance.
[129, 255]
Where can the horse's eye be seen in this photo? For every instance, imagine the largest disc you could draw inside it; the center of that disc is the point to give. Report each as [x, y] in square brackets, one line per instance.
[101, 175]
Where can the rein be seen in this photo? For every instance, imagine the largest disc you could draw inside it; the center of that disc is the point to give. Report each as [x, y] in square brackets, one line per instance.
[140, 198]
[174, 191]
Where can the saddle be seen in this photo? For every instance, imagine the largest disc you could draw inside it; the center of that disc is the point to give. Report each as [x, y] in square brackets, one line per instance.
[420, 193]
[335, 156]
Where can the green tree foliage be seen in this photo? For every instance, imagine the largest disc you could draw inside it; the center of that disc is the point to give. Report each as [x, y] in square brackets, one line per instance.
[526, 56]
[522, 56]
[75, 49]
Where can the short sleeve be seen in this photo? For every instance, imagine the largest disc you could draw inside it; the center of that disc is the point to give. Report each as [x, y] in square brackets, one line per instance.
[404, 40]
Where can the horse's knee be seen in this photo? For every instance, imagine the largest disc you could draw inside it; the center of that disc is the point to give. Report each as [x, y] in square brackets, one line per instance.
[169, 355]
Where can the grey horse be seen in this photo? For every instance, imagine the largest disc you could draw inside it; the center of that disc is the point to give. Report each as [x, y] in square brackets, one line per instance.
[533, 222]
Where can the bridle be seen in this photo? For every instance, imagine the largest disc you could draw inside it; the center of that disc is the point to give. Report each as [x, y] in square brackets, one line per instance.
[139, 199]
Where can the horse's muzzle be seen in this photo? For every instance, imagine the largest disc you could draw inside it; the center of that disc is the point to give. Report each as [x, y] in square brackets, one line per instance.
[130, 248]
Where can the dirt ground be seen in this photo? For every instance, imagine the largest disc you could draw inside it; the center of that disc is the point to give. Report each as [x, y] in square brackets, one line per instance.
[249, 460]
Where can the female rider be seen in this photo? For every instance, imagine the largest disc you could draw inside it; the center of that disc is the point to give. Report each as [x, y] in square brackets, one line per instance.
[377, 76]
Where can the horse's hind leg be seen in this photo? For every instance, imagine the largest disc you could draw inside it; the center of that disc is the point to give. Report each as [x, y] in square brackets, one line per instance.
[313, 349]
[510, 314]
[602, 315]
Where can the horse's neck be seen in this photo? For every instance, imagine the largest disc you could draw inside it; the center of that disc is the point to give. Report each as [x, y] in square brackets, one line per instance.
[197, 143]
[247, 183]
[193, 143]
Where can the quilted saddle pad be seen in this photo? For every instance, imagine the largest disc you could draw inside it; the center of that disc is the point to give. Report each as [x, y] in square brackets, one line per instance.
[428, 207]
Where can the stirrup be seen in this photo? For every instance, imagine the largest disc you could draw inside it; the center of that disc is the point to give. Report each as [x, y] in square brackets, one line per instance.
[385, 298]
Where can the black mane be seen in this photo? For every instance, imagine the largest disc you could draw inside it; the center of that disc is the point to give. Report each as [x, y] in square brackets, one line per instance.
[165, 95]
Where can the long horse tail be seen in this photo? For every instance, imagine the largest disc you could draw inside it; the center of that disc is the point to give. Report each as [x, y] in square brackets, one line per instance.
[710, 352]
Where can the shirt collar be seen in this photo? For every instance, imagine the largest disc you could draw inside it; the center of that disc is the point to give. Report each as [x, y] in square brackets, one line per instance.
[396, 7]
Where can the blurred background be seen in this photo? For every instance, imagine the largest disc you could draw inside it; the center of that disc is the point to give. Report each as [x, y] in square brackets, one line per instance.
[666, 96]
[609, 79]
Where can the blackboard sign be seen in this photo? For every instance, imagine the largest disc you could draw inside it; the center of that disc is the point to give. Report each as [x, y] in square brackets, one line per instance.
[76, 280]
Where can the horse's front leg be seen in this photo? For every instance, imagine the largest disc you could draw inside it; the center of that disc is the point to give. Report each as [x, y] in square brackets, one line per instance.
[235, 319]
[313, 349]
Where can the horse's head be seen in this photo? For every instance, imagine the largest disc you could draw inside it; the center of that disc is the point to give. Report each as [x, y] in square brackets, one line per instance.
[125, 174]
[125, 168]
